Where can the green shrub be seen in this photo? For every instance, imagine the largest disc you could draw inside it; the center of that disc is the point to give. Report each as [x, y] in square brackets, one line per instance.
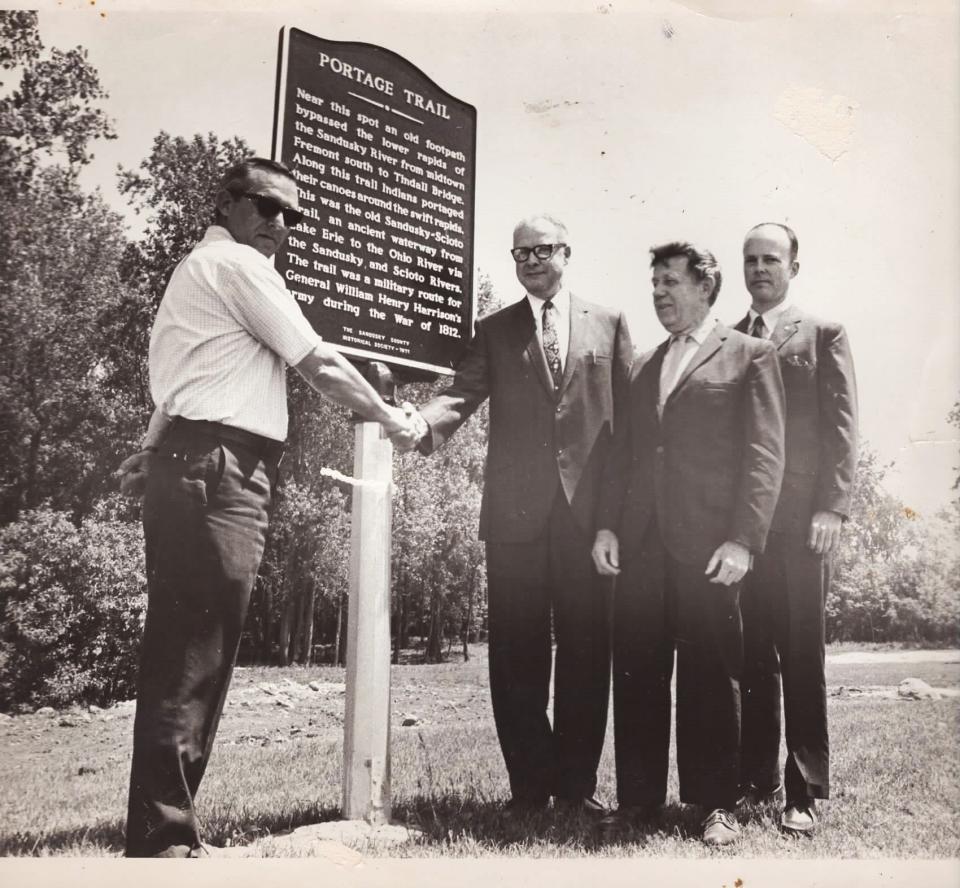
[72, 603]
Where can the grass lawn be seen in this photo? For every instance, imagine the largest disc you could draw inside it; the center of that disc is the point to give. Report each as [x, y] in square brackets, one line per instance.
[896, 773]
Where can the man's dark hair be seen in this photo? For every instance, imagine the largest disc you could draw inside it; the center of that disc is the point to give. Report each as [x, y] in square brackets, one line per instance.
[235, 178]
[701, 263]
[791, 236]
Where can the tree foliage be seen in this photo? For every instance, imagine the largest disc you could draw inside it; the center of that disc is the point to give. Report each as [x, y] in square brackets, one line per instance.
[72, 602]
[176, 186]
[59, 250]
[53, 114]
[896, 574]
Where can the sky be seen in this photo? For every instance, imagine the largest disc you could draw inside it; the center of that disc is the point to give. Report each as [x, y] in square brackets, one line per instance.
[638, 123]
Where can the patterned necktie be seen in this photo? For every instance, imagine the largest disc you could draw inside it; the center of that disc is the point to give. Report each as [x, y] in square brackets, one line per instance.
[551, 343]
[758, 328]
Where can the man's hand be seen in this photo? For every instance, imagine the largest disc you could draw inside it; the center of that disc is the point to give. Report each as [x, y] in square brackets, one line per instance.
[824, 533]
[606, 553]
[407, 427]
[133, 473]
[730, 562]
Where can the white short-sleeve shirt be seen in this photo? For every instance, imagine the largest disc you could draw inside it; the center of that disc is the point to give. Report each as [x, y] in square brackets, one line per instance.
[226, 328]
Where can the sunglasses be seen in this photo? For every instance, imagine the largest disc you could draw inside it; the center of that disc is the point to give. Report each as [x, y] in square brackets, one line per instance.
[268, 207]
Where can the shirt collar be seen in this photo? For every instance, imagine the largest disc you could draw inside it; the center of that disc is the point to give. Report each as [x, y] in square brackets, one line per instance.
[216, 233]
[700, 333]
[560, 300]
[771, 317]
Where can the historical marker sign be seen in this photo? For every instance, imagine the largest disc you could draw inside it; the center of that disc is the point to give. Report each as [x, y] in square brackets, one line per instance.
[383, 264]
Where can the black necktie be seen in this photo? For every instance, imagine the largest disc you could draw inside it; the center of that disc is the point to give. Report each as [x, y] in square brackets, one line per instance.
[551, 343]
[758, 328]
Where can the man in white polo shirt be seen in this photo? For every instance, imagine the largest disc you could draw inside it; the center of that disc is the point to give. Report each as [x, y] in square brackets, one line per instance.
[224, 333]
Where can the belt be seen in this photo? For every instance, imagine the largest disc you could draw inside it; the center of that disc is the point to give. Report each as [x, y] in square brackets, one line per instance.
[268, 449]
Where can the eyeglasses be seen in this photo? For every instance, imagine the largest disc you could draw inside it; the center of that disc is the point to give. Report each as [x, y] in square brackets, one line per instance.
[541, 251]
[268, 207]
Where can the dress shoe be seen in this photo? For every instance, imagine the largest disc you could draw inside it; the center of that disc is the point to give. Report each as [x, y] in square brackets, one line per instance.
[625, 819]
[588, 805]
[751, 794]
[521, 808]
[720, 828]
[182, 852]
[800, 818]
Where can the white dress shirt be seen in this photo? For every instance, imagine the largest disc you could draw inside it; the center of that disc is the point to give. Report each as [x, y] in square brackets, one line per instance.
[225, 329]
[771, 318]
[680, 352]
[561, 304]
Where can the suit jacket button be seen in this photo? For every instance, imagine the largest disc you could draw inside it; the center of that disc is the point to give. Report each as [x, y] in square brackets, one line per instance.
[659, 448]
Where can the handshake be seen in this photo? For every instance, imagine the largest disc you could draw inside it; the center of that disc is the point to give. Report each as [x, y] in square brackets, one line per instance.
[405, 428]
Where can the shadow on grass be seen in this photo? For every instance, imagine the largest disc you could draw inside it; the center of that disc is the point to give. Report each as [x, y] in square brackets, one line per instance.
[455, 819]
[104, 838]
[246, 827]
[107, 838]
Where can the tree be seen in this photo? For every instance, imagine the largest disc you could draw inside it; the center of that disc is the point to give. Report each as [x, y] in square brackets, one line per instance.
[896, 573]
[53, 115]
[873, 561]
[59, 251]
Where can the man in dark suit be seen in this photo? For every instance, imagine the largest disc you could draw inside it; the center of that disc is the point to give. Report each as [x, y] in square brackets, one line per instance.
[553, 367]
[688, 494]
[783, 601]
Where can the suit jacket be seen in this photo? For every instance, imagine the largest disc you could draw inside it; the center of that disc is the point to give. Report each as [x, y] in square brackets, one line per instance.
[540, 440]
[710, 469]
[821, 436]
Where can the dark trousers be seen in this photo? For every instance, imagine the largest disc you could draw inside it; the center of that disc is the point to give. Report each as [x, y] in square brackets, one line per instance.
[662, 606]
[527, 583]
[783, 620]
[205, 516]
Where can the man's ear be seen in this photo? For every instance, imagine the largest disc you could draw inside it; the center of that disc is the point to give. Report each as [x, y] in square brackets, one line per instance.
[566, 252]
[794, 268]
[224, 202]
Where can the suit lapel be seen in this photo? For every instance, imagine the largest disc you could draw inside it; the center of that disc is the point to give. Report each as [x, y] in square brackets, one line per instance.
[703, 354]
[526, 328]
[787, 325]
[743, 326]
[578, 339]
